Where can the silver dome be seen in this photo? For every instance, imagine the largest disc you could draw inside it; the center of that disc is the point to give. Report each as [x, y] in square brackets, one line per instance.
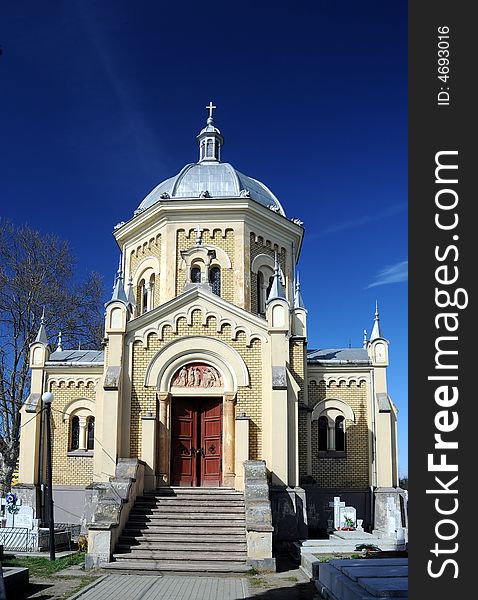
[219, 179]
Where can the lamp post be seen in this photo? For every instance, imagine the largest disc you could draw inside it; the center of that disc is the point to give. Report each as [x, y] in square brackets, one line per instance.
[47, 399]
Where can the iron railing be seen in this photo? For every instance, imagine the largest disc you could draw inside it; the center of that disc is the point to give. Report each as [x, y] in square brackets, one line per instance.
[17, 539]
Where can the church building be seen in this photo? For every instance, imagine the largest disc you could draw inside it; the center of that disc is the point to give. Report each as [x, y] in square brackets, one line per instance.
[206, 370]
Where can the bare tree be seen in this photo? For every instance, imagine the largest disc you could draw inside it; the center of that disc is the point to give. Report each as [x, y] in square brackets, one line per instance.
[37, 271]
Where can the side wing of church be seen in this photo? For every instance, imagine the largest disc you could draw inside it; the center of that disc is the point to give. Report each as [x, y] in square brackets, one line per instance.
[206, 367]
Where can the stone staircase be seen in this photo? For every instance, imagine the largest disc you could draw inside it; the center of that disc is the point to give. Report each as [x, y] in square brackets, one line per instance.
[184, 530]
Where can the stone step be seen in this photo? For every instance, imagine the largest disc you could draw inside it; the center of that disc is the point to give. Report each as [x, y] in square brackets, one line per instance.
[199, 508]
[190, 490]
[220, 499]
[182, 546]
[184, 529]
[185, 556]
[184, 538]
[178, 517]
[178, 566]
[168, 491]
[190, 502]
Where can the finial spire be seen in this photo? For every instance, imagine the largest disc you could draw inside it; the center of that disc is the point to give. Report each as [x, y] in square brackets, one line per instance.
[131, 298]
[364, 339]
[198, 235]
[298, 300]
[118, 287]
[210, 107]
[277, 289]
[41, 335]
[376, 330]
[59, 347]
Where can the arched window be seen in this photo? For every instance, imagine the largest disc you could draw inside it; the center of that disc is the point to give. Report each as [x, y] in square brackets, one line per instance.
[323, 427]
[195, 275]
[215, 280]
[340, 434]
[75, 433]
[203, 149]
[151, 293]
[90, 434]
[143, 297]
[271, 281]
[260, 293]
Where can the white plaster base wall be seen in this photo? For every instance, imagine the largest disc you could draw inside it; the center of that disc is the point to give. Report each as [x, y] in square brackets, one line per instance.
[259, 545]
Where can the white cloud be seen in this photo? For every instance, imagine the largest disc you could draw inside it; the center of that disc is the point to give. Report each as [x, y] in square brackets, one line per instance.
[393, 274]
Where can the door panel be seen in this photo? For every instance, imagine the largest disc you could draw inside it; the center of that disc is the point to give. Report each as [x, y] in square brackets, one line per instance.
[196, 425]
[184, 438]
[211, 442]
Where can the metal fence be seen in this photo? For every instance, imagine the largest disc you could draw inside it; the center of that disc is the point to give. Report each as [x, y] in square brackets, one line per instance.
[17, 539]
[73, 532]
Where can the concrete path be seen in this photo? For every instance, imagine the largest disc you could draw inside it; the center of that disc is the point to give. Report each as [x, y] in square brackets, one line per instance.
[144, 587]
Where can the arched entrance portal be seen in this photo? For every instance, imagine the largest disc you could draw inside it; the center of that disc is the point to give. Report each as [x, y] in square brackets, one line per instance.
[196, 441]
[197, 396]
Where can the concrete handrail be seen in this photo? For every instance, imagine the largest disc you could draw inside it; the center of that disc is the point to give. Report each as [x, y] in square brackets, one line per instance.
[107, 509]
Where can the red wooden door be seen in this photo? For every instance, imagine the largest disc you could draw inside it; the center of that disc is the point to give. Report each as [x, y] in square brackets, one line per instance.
[211, 443]
[184, 442]
[196, 442]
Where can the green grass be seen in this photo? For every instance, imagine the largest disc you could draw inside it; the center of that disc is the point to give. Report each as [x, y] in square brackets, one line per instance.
[257, 582]
[41, 567]
[328, 557]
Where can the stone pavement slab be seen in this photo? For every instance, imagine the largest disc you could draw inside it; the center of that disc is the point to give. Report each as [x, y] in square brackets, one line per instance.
[145, 587]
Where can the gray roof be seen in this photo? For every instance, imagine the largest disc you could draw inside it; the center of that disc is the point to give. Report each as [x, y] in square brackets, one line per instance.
[338, 356]
[220, 179]
[77, 356]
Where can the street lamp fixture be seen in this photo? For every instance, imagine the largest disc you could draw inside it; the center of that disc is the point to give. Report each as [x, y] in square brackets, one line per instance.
[47, 399]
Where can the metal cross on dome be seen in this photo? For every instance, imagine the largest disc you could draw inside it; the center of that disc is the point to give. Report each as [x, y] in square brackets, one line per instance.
[211, 107]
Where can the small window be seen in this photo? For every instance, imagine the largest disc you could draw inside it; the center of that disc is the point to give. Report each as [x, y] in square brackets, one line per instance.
[210, 148]
[151, 293]
[75, 433]
[215, 280]
[260, 293]
[323, 427]
[195, 275]
[90, 434]
[143, 297]
[340, 434]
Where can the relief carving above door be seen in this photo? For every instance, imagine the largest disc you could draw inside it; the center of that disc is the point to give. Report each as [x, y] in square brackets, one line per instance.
[197, 375]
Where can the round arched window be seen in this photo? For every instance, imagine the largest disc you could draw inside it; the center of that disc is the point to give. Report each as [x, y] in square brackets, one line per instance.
[323, 426]
[195, 275]
[215, 280]
[340, 434]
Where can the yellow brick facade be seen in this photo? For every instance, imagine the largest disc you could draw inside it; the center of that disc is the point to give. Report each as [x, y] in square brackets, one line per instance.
[261, 246]
[68, 470]
[152, 247]
[224, 239]
[352, 470]
[249, 399]
[297, 364]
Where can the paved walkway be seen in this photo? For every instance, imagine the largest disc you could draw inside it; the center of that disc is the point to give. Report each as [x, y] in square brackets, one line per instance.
[144, 587]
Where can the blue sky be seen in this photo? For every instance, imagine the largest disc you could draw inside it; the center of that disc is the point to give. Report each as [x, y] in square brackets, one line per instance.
[102, 100]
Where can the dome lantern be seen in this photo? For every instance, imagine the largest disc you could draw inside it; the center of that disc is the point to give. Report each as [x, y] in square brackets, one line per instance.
[210, 140]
